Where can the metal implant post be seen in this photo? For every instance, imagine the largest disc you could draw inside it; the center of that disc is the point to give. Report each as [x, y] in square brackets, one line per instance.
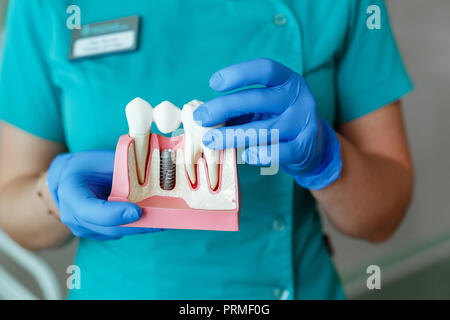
[167, 169]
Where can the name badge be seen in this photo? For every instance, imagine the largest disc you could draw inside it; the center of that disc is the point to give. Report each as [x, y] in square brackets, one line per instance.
[106, 37]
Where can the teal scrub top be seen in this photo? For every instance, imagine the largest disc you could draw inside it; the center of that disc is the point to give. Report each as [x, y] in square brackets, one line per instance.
[279, 252]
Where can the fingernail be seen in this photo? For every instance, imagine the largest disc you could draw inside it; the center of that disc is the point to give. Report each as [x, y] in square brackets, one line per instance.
[216, 80]
[201, 115]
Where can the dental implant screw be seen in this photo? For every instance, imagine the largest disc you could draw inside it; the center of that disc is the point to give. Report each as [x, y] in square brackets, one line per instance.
[167, 169]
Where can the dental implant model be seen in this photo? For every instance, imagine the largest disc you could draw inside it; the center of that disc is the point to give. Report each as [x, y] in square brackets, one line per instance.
[177, 181]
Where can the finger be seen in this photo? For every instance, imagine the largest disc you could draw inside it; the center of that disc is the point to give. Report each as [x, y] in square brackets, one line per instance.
[56, 168]
[249, 101]
[294, 152]
[280, 153]
[270, 155]
[83, 229]
[263, 155]
[87, 234]
[259, 71]
[241, 120]
[103, 164]
[244, 135]
[76, 228]
[262, 132]
[78, 197]
[118, 231]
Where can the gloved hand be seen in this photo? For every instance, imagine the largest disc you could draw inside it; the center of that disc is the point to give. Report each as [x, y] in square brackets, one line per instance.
[308, 147]
[80, 184]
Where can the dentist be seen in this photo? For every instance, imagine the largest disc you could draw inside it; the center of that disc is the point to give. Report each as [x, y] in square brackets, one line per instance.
[311, 70]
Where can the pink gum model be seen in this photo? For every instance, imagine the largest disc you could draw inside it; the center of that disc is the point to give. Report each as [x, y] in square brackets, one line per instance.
[170, 212]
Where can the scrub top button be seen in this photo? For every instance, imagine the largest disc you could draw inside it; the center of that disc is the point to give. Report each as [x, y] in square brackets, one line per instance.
[279, 19]
[279, 224]
[281, 294]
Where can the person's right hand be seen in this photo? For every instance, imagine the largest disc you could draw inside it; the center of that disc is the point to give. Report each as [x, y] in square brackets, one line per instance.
[80, 184]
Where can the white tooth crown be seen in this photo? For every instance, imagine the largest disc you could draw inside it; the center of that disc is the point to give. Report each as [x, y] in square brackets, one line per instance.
[139, 116]
[168, 118]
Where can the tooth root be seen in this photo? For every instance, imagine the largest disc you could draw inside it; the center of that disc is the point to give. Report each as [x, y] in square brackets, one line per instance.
[192, 139]
[189, 158]
[212, 160]
[141, 148]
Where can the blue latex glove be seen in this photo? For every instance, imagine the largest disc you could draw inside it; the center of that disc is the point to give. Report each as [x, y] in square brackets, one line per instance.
[308, 147]
[80, 183]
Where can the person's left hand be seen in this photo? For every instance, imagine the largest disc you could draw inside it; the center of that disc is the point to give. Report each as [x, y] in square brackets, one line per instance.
[309, 149]
[80, 183]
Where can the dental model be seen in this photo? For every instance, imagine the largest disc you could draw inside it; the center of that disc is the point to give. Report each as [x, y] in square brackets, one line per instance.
[177, 181]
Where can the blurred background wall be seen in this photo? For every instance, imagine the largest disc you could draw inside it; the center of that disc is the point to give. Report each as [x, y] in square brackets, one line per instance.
[415, 263]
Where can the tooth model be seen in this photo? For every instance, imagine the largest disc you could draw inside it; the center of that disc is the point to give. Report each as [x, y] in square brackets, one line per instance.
[177, 181]
[167, 117]
[139, 116]
[193, 146]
